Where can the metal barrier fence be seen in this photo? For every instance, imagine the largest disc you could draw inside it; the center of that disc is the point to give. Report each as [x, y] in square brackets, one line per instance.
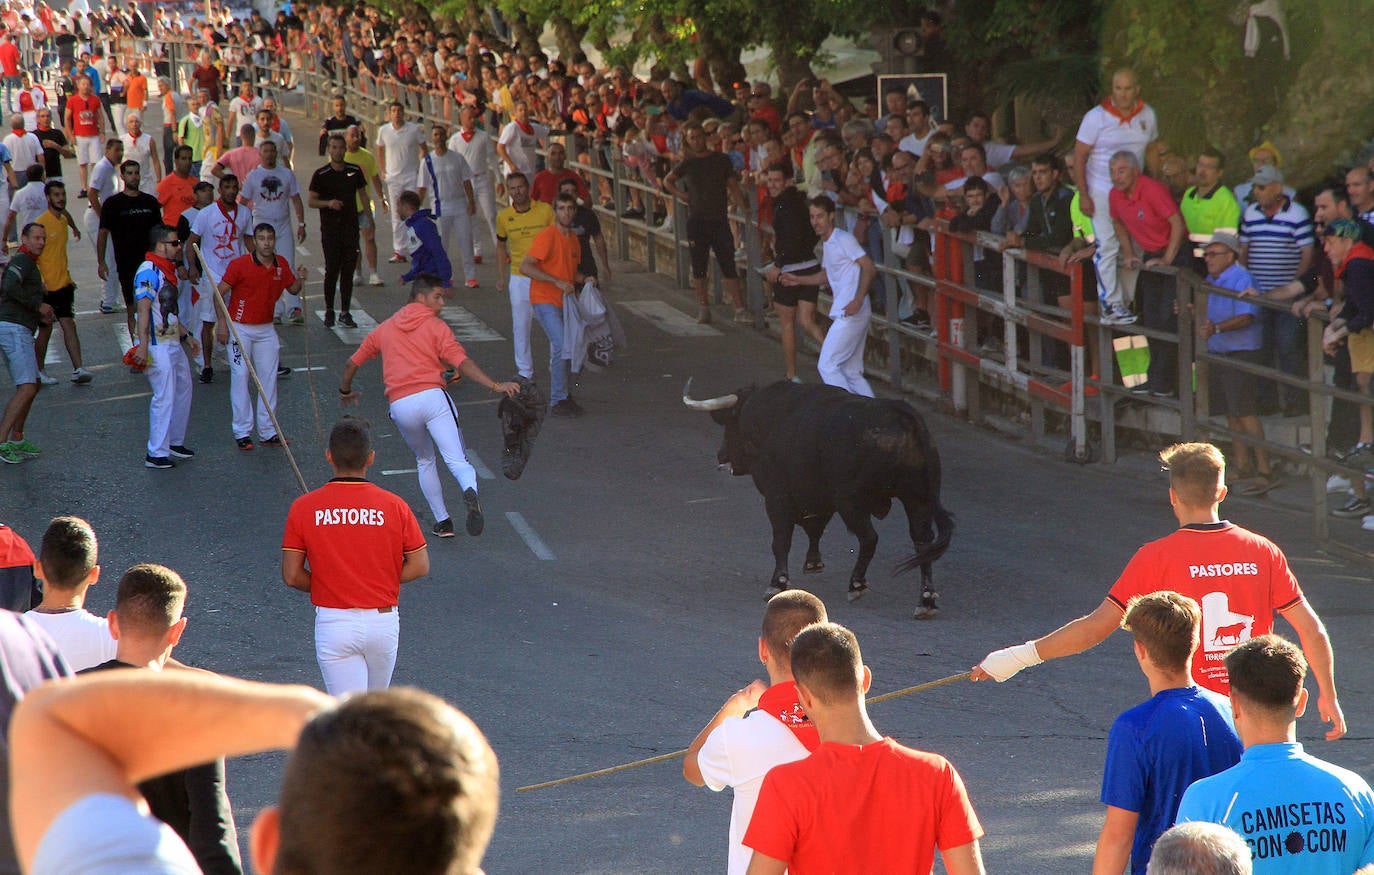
[1054, 358]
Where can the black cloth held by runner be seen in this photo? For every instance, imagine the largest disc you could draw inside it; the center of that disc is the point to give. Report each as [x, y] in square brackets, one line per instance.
[521, 417]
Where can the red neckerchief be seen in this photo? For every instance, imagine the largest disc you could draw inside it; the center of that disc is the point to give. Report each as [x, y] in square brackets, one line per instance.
[526, 127]
[896, 191]
[169, 270]
[1123, 118]
[780, 702]
[1359, 250]
[24, 249]
[233, 219]
[468, 135]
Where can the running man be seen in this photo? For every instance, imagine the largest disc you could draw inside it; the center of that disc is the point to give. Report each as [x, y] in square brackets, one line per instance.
[416, 346]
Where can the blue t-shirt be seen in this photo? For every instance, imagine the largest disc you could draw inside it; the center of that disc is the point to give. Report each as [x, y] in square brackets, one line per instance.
[1219, 309]
[1298, 814]
[1156, 749]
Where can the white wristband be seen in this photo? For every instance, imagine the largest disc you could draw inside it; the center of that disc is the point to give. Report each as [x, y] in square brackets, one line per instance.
[1003, 664]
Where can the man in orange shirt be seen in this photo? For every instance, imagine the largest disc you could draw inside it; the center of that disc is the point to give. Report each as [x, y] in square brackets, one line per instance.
[416, 346]
[551, 264]
[361, 543]
[177, 190]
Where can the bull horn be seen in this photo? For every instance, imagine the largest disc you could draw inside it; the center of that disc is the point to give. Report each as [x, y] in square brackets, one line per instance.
[708, 404]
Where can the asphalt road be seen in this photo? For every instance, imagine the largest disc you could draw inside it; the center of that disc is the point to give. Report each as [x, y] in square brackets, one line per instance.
[613, 602]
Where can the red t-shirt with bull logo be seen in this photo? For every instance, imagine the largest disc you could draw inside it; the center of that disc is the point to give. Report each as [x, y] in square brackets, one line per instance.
[1240, 579]
[83, 109]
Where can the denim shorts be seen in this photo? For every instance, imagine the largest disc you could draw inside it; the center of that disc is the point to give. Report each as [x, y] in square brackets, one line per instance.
[16, 343]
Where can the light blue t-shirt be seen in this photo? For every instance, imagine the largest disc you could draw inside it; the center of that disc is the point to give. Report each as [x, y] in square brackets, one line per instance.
[105, 834]
[1298, 814]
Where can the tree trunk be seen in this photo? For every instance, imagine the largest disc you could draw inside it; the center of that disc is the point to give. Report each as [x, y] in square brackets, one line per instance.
[722, 61]
[791, 68]
[568, 35]
[523, 36]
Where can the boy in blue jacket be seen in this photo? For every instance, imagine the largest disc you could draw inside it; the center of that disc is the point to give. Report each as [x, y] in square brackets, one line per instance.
[427, 255]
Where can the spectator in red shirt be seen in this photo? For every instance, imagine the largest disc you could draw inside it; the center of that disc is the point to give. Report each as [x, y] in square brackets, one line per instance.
[1151, 230]
[206, 76]
[9, 70]
[545, 185]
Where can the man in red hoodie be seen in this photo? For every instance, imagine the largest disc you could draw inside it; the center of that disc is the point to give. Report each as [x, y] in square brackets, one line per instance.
[416, 346]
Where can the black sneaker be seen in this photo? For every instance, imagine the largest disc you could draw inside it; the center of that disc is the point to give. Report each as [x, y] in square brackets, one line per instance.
[275, 440]
[328, 318]
[1141, 388]
[567, 407]
[283, 371]
[475, 518]
[919, 319]
[1355, 508]
[443, 528]
[207, 375]
[245, 443]
[180, 451]
[346, 320]
[158, 462]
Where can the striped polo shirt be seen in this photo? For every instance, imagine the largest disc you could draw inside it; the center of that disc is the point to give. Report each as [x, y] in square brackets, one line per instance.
[1274, 244]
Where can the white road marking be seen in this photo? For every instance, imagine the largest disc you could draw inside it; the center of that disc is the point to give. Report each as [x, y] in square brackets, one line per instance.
[704, 500]
[669, 319]
[352, 335]
[467, 328]
[315, 368]
[53, 357]
[528, 535]
[399, 471]
[482, 470]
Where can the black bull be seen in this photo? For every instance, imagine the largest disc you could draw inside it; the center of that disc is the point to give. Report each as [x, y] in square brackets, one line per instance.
[815, 451]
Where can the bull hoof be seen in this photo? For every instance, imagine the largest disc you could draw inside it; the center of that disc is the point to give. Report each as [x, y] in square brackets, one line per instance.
[857, 589]
[813, 567]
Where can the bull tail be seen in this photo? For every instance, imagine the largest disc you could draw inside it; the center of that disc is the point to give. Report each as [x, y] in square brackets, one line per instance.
[944, 533]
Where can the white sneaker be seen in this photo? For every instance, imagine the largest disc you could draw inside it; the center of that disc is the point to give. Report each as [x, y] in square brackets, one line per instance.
[1368, 524]
[375, 280]
[45, 379]
[1112, 315]
[1336, 484]
[81, 376]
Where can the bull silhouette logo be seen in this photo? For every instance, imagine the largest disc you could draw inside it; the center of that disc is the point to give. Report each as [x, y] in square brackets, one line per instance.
[271, 188]
[1229, 635]
[1223, 628]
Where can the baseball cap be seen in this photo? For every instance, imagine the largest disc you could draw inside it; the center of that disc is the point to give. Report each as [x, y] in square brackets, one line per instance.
[1347, 229]
[1266, 175]
[1230, 241]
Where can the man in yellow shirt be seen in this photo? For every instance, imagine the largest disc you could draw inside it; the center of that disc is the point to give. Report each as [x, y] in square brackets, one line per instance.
[59, 290]
[367, 224]
[516, 227]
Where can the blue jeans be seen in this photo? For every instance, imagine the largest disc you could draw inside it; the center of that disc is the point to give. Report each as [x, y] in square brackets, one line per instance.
[550, 318]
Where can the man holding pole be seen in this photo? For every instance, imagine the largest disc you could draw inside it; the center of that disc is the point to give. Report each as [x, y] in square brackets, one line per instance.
[251, 286]
[759, 727]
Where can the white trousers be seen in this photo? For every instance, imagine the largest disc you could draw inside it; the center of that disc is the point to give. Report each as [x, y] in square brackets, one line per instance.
[393, 193]
[521, 313]
[485, 194]
[109, 291]
[455, 230]
[426, 420]
[260, 344]
[842, 354]
[169, 376]
[356, 648]
[1108, 249]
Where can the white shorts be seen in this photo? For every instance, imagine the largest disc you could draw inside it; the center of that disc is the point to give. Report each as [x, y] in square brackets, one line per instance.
[89, 150]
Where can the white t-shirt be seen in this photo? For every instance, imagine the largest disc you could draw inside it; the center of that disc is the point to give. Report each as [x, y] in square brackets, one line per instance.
[270, 192]
[107, 834]
[1107, 134]
[737, 754]
[82, 637]
[992, 178]
[998, 153]
[221, 235]
[105, 179]
[402, 150]
[242, 112]
[480, 154]
[522, 145]
[840, 255]
[28, 204]
[25, 150]
[141, 150]
[917, 145]
[442, 178]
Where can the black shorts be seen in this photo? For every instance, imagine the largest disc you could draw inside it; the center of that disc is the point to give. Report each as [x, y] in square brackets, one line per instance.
[788, 296]
[1234, 392]
[61, 301]
[705, 236]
